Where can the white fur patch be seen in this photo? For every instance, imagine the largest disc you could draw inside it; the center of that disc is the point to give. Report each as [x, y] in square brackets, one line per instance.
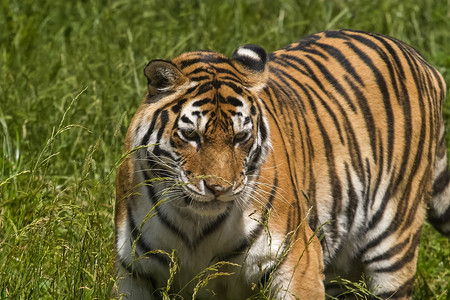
[248, 53]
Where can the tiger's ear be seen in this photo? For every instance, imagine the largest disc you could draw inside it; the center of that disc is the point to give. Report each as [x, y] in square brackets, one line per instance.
[163, 76]
[251, 62]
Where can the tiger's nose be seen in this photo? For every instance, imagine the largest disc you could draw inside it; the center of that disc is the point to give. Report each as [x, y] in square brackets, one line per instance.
[217, 190]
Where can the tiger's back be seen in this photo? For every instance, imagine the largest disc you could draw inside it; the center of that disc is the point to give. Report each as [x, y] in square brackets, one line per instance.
[343, 129]
[370, 145]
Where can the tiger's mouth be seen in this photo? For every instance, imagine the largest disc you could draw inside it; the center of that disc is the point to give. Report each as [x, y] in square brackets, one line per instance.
[203, 200]
[213, 207]
[200, 188]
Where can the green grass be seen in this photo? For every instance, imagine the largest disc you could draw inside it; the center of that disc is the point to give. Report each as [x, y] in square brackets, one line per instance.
[70, 80]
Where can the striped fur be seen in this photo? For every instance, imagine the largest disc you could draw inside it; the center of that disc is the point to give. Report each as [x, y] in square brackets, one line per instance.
[241, 160]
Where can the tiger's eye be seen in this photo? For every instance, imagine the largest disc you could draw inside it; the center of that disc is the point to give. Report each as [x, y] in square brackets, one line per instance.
[189, 135]
[241, 137]
[189, 132]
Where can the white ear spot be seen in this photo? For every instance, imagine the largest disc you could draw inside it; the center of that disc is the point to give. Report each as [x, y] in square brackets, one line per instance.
[245, 52]
[251, 57]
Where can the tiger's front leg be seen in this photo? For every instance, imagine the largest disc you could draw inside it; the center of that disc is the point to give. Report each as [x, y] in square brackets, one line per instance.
[298, 275]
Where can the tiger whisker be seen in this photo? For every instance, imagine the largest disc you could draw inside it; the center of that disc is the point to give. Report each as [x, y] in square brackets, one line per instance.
[262, 202]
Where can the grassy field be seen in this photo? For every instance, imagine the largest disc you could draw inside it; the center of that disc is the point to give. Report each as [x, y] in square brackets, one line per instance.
[71, 78]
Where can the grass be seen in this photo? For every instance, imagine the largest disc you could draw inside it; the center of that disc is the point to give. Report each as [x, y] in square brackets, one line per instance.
[70, 80]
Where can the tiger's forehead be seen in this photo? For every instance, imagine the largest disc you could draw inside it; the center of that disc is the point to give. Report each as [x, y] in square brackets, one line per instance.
[218, 105]
[214, 94]
[200, 60]
[207, 66]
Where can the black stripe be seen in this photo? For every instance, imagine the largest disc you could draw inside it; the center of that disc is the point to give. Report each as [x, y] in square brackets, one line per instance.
[146, 138]
[402, 262]
[289, 59]
[441, 150]
[230, 78]
[164, 120]
[247, 120]
[404, 214]
[161, 216]
[333, 82]
[377, 217]
[336, 189]
[311, 198]
[352, 197]
[254, 160]
[272, 87]
[439, 221]
[177, 107]
[355, 153]
[363, 104]
[303, 43]
[316, 52]
[236, 88]
[201, 102]
[292, 103]
[394, 250]
[307, 44]
[233, 74]
[158, 152]
[285, 98]
[330, 112]
[140, 239]
[202, 70]
[186, 120]
[408, 129]
[377, 177]
[343, 61]
[175, 124]
[423, 128]
[290, 62]
[393, 53]
[200, 78]
[234, 101]
[204, 88]
[211, 227]
[391, 59]
[226, 74]
[298, 107]
[206, 57]
[262, 129]
[441, 182]
[416, 201]
[367, 191]
[382, 87]
[338, 34]
[284, 104]
[191, 90]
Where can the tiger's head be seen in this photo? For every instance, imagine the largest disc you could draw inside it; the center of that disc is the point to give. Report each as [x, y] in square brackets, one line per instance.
[203, 128]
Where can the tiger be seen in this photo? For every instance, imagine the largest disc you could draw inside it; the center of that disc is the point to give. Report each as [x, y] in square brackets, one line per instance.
[272, 174]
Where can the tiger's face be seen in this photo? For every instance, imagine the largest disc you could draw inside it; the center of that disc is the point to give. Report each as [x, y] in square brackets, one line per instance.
[205, 131]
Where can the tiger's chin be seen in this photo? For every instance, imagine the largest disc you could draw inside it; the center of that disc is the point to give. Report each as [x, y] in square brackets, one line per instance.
[212, 208]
